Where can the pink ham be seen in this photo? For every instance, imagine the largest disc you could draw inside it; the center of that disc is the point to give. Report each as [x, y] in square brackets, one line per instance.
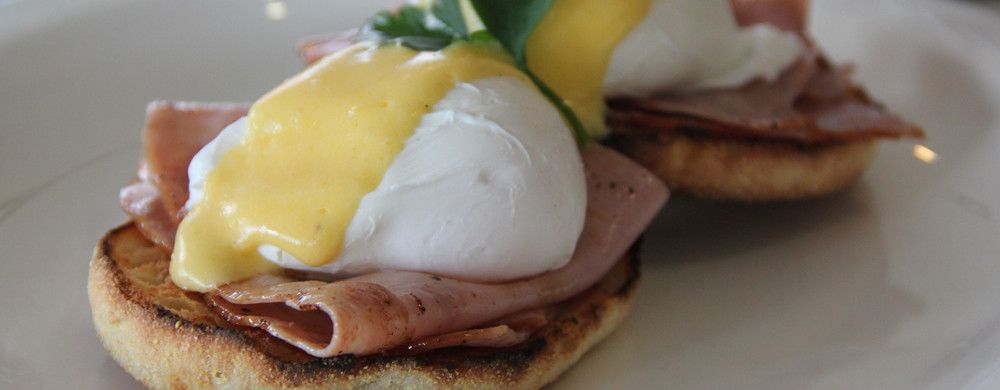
[811, 103]
[174, 133]
[511, 331]
[499, 336]
[389, 309]
[142, 202]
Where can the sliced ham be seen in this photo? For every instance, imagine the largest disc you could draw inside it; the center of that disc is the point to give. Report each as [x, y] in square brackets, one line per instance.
[811, 103]
[142, 202]
[509, 332]
[389, 309]
[499, 336]
[174, 133]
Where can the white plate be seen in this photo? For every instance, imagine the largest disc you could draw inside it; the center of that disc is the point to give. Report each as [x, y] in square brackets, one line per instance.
[893, 284]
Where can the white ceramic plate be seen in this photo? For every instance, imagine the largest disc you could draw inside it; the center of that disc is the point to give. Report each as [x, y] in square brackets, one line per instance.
[893, 284]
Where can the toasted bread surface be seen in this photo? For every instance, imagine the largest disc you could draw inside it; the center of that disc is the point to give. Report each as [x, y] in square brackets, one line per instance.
[169, 339]
[746, 170]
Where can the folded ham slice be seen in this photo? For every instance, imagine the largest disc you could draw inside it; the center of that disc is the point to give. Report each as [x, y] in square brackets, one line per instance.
[389, 309]
[812, 103]
[174, 133]
[141, 200]
[512, 330]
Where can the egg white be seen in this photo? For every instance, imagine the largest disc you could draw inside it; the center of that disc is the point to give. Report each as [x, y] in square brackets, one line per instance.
[685, 46]
[694, 45]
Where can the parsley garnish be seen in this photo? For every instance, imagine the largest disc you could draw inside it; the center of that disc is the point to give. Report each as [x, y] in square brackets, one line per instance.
[508, 22]
[449, 12]
[512, 22]
[414, 27]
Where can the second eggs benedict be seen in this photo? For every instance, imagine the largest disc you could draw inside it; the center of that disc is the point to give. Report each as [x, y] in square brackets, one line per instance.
[726, 99]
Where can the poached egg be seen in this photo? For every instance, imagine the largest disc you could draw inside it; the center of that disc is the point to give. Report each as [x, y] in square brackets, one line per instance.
[381, 157]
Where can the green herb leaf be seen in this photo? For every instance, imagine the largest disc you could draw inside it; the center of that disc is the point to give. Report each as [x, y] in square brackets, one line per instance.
[508, 23]
[511, 22]
[449, 12]
[415, 27]
[579, 131]
[483, 36]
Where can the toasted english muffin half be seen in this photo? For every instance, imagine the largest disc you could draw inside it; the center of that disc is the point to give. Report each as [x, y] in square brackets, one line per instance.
[745, 170]
[169, 339]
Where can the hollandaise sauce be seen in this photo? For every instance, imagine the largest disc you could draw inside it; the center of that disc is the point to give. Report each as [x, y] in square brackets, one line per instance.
[572, 46]
[315, 146]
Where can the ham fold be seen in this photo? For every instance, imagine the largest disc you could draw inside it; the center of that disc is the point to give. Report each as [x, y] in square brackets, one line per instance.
[388, 309]
[174, 133]
[511, 331]
[141, 200]
[812, 103]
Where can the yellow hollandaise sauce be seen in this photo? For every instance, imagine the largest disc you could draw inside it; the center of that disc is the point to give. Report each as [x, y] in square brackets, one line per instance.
[314, 147]
[571, 50]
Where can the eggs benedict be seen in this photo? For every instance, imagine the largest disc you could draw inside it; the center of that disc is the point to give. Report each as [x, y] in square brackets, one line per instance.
[722, 99]
[404, 196]
[346, 190]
